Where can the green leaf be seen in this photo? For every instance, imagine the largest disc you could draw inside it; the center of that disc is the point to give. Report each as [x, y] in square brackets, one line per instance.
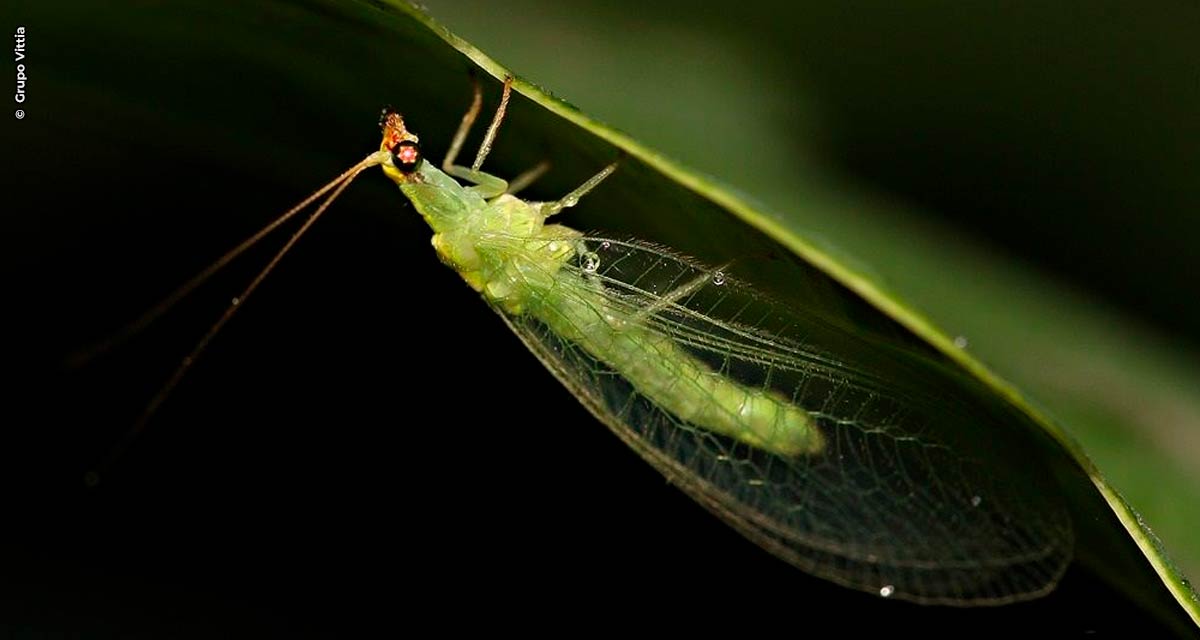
[1021, 89]
[1038, 126]
[363, 403]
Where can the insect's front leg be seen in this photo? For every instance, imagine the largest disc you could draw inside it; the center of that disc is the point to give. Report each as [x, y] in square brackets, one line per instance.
[486, 184]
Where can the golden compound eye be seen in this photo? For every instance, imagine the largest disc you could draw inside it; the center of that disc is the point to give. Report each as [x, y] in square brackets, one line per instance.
[406, 155]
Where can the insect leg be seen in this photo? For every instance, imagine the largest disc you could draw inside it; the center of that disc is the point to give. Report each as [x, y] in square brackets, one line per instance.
[678, 293]
[486, 146]
[464, 127]
[548, 209]
[486, 185]
[528, 177]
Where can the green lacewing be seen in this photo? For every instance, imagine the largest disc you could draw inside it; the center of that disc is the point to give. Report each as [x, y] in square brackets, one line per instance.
[752, 407]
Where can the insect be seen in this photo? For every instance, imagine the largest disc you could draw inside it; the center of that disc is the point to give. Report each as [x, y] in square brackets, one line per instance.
[853, 471]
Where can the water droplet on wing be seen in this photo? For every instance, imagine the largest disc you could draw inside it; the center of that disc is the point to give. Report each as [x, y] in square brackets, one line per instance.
[590, 261]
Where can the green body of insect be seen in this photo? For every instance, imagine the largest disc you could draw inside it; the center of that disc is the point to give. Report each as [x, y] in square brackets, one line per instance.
[502, 247]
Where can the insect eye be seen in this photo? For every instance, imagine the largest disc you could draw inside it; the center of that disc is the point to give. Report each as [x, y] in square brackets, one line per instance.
[406, 155]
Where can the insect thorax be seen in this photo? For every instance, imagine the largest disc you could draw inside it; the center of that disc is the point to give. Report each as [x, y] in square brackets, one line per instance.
[506, 252]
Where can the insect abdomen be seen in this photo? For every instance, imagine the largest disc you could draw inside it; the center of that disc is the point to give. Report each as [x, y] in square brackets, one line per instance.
[671, 377]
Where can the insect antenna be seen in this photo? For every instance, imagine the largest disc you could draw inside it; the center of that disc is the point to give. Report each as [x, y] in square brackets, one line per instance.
[84, 356]
[337, 185]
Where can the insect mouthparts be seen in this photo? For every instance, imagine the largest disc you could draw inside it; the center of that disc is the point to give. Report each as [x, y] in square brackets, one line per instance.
[384, 113]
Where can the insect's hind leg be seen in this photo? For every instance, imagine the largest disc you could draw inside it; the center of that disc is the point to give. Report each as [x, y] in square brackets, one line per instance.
[548, 209]
[682, 291]
[486, 184]
[528, 177]
[464, 127]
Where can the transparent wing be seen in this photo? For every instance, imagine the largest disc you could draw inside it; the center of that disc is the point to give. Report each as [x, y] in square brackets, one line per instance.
[917, 494]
